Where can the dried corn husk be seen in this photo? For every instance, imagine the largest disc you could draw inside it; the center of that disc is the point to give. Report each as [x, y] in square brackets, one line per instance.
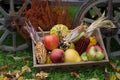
[75, 32]
[101, 22]
[40, 51]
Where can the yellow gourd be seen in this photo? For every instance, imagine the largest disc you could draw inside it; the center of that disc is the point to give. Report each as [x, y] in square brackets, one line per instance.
[93, 41]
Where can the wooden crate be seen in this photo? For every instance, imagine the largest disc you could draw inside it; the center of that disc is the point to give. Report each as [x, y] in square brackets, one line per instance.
[77, 65]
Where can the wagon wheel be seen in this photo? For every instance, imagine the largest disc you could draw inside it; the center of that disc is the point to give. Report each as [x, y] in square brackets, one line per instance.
[97, 7]
[7, 29]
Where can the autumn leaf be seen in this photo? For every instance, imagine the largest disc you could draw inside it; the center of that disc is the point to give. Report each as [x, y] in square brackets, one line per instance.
[113, 65]
[4, 66]
[113, 77]
[41, 75]
[117, 75]
[75, 74]
[19, 58]
[118, 69]
[94, 79]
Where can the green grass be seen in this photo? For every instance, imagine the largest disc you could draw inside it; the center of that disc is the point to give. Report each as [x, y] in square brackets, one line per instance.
[53, 75]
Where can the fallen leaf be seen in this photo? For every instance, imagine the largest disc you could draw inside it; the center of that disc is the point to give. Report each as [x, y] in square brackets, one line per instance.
[113, 77]
[2, 77]
[18, 58]
[113, 65]
[41, 76]
[3, 72]
[4, 66]
[117, 75]
[94, 79]
[75, 74]
[107, 74]
[118, 69]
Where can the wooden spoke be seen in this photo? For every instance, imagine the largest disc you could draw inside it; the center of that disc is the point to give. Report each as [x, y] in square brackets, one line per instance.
[89, 20]
[2, 21]
[116, 37]
[3, 11]
[97, 10]
[14, 39]
[5, 34]
[21, 47]
[108, 40]
[12, 7]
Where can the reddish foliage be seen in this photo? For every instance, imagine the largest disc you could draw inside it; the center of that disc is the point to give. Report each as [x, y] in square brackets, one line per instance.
[46, 15]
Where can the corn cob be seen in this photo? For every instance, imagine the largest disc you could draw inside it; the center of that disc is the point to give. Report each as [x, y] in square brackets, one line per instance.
[82, 44]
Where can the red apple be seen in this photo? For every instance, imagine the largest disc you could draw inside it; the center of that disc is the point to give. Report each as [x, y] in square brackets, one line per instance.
[56, 55]
[95, 52]
[51, 41]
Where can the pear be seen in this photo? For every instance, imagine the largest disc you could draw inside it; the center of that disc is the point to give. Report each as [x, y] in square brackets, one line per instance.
[71, 55]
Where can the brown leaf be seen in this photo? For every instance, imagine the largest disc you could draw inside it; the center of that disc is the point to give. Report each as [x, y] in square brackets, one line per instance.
[75, 74]
[3, 72]
[4, 66]
[113, 65]
[117, 75]
[113, 77]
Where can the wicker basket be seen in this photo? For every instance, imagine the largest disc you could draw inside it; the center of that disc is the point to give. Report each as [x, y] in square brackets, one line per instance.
[77, 65]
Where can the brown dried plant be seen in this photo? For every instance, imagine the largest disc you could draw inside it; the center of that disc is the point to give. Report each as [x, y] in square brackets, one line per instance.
[41, 13]
[46, 14]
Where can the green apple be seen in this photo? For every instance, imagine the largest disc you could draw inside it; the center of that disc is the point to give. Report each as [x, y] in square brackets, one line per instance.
[95, 52]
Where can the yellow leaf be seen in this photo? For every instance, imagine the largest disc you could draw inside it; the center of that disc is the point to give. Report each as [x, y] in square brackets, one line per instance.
[117, 75]
[94, 79]
[113, 77]
[118, 69]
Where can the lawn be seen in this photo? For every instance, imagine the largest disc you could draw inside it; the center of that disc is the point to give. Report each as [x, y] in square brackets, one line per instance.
[16, 60]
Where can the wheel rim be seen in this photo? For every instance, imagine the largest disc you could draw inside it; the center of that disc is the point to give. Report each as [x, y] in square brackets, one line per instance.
[93, 4]
[7, 28]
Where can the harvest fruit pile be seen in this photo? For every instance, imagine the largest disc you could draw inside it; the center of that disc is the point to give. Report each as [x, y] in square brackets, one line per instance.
[62, 45]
